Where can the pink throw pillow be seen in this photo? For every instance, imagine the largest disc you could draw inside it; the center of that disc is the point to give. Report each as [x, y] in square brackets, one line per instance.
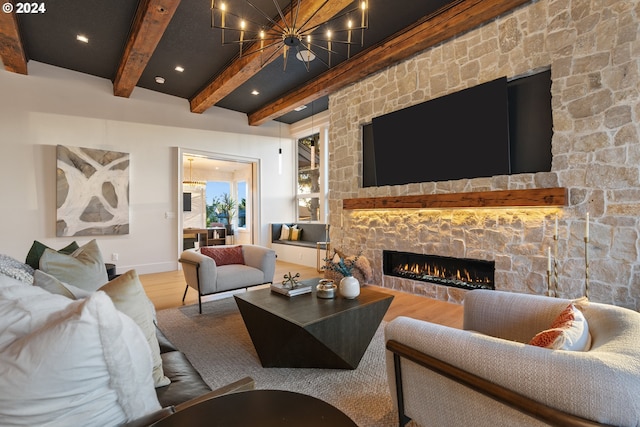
[569, 331]
[224, 255]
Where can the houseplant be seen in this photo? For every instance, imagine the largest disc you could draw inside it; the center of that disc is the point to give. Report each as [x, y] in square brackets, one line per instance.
[227, 206]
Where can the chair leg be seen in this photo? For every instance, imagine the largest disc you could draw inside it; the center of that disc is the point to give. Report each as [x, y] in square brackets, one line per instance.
[402, 418]
[200, 302]
[185, 293]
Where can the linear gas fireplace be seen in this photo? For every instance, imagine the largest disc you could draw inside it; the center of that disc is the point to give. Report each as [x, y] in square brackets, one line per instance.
[458, 272]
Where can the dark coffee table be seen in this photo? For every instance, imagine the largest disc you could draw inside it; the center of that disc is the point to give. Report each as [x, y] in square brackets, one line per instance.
[309, 332]
[264, 408]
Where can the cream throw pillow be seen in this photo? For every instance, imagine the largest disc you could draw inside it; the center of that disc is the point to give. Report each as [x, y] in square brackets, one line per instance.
[129, 297]
[84, 268]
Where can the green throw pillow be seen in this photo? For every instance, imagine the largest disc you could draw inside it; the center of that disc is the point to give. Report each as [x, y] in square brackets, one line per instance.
[37, 249]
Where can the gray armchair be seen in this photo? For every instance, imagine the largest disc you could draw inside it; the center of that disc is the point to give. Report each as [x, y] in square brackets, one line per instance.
[203, 274]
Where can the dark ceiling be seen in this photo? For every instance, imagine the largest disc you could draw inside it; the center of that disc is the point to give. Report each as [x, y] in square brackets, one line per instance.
[190, 42]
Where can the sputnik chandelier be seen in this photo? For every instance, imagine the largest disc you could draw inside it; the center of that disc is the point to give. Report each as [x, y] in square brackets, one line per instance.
[307, 29]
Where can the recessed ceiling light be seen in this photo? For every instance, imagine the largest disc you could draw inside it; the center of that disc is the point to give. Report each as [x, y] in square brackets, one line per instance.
[159, 80]
[179, 69]
[81, 38]
[255, 92]
[300, 108]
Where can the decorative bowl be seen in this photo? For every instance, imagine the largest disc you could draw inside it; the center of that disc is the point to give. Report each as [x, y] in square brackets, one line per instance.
[326, 289]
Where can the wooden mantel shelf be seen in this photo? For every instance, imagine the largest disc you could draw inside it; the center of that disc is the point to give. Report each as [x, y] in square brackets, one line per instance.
[543, 197]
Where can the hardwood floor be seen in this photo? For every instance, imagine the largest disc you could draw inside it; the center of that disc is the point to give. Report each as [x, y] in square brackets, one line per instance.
[166, 289]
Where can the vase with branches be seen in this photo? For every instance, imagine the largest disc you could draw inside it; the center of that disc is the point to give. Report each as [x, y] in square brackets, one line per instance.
[343, 265]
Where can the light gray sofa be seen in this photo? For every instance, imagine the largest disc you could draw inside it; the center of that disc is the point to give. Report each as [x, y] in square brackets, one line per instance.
[203, 274]
[485, 375]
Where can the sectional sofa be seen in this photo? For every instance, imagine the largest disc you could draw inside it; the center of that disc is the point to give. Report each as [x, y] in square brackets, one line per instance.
[77, 349]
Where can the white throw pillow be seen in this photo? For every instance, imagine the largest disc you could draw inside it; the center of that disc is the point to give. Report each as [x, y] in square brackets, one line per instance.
[284, 232]
[55, 286]
[25, 308]
[129, 297]
[88, 364]
[569, 331]
[84, 268]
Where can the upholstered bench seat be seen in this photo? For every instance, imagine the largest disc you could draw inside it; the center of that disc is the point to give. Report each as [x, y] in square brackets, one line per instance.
[310, 247]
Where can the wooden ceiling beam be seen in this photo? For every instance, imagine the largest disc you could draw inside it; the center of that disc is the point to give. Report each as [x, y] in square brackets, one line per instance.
[151, 21]
[452, 20]
[12, 51]
[243, 68]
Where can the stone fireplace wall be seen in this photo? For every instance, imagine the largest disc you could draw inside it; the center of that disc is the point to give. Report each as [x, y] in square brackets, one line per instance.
[593, 51]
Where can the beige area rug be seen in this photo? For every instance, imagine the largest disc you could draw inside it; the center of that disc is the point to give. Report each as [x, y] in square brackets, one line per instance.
[218, 345]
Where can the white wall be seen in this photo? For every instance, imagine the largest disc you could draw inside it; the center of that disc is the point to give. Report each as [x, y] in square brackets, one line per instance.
[54, 106]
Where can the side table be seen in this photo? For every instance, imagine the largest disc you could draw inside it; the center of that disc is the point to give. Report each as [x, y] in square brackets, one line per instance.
[111, 270]
[264, 408]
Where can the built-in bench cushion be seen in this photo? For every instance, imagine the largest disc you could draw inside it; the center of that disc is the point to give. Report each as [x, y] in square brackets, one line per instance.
[309, 234]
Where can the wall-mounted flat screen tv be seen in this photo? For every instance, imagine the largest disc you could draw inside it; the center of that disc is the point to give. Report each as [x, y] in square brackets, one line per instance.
[461, 135]
[186, 202]
[407, 146]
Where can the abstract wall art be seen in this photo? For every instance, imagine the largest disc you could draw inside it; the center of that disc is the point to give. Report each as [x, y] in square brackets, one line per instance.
[92, 192]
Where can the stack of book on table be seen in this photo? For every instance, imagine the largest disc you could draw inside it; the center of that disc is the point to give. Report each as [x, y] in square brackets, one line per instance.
[298, 290]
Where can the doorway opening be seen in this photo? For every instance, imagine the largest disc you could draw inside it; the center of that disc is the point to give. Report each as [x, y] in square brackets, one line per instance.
[219, 199]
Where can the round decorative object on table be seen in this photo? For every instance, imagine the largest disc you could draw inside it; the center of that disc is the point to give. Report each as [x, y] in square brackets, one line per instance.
[349, 287]
[326, 289]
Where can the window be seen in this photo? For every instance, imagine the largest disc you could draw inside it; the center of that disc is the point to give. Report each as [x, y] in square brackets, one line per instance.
[309, 178]
[311, 182]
